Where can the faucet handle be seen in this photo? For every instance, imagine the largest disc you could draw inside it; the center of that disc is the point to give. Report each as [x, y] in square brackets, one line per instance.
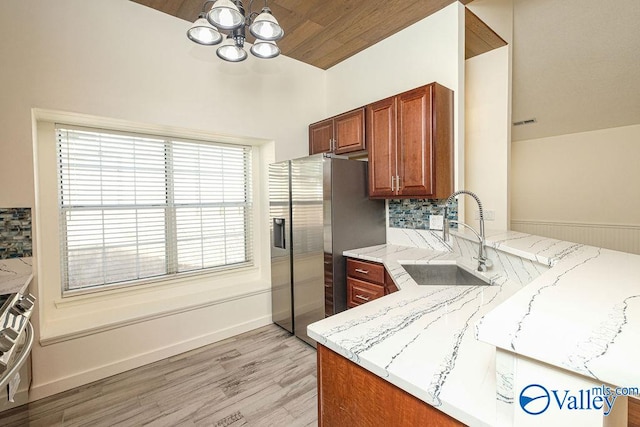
[484, 263]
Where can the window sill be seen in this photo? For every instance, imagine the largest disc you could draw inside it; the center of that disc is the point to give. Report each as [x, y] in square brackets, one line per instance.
[151, 287]
[82, 315]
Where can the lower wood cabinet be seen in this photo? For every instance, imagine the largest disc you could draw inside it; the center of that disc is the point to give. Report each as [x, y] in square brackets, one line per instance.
[367, 281]
[349, 395]
[634, 413]
[389, 285]
[360, 292]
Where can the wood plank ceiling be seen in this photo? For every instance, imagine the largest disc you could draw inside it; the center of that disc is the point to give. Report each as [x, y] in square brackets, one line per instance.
[325, 32]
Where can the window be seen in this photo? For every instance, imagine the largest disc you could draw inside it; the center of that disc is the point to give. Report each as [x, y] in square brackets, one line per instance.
[138, 206]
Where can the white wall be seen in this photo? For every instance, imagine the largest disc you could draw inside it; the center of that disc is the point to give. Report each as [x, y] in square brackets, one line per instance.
[124, 61]
[425, 52]
[487, 142]
[585, 185]
[588, 177]
[488, 118]
[431, 50]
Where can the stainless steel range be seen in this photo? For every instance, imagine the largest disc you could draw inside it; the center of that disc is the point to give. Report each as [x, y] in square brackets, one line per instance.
[16, 332]
[15, 313]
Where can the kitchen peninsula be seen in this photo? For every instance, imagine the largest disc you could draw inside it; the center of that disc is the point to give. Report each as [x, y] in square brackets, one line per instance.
[15, 274]
[556, 313]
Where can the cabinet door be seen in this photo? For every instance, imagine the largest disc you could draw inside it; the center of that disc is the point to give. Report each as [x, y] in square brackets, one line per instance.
[349, 395]
[389, 285]
[349, 132]
[415, 143]
[320, 137]
[442, 102]
[381, 137]
[633, 418]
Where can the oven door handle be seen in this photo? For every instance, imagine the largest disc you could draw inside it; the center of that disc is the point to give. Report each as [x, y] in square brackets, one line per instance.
[24, 354]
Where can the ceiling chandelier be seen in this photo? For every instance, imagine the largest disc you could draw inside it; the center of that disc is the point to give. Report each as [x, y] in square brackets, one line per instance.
[228, 18]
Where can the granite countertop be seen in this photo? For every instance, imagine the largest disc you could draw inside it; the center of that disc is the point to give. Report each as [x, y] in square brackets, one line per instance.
[15, 274]
[582, 315]
[570, 305]
[422, 338]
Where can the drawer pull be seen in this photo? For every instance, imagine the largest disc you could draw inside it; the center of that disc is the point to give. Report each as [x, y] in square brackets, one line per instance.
[359, 270]
[362, 298]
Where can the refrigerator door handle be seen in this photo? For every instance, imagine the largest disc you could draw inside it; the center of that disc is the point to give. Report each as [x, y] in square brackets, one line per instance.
[278, 233]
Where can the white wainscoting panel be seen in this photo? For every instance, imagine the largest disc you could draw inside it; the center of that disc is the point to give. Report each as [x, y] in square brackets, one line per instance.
[619, 237]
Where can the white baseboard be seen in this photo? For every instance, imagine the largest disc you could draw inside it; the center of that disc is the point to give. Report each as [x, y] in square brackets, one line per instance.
[619, 237]
[40, 391]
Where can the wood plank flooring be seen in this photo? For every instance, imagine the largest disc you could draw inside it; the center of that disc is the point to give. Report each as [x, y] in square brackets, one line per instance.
[264, 377]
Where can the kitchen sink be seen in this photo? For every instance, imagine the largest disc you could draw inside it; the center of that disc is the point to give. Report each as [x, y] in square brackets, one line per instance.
[442, 275]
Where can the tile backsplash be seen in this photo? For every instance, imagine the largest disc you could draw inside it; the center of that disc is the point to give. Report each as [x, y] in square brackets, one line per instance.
[415, 213]
[15, 233]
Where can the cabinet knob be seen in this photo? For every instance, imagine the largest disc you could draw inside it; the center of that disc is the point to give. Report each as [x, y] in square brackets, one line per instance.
[362, 297]
[359, 270]
[25, 303]
[6, 341]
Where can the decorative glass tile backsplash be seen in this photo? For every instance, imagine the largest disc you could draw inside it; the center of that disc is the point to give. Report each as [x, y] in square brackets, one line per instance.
[415, 213]
[15, 233]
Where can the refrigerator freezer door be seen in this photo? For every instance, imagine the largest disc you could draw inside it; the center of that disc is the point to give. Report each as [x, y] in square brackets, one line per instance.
[307, 243]
[280, 213]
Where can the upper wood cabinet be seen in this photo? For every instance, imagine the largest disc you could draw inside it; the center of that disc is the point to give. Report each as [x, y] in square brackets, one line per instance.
[321, 137]
[340, 134]
[410, 142]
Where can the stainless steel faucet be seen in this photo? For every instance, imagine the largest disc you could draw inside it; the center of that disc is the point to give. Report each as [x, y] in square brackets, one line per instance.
[483, 262]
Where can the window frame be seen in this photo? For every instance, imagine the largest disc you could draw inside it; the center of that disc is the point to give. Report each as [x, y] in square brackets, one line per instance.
[66, 318]
[170, 242]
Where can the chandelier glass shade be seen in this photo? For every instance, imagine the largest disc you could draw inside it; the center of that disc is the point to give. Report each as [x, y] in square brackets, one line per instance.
[202, 32]
[228, 17]
[265, 26]
[265, 49]
[231, 51]
[225, 15]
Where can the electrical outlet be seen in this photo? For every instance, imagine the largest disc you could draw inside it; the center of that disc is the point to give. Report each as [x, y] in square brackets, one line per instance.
[436, 222]
[488, 215]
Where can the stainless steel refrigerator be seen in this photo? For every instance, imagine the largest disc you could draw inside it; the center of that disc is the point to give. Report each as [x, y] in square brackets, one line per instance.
[319, 207]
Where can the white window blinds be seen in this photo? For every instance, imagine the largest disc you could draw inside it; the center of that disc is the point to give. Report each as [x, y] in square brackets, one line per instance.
[139, 206]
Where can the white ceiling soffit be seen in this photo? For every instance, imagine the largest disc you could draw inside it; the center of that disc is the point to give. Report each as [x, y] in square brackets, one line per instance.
[576, 66]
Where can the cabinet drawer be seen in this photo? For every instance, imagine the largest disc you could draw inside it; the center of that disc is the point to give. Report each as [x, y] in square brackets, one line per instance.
[359, 292]
[368, 271]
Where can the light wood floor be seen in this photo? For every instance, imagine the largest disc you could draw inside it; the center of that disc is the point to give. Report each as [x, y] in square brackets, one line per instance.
[261, 378]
